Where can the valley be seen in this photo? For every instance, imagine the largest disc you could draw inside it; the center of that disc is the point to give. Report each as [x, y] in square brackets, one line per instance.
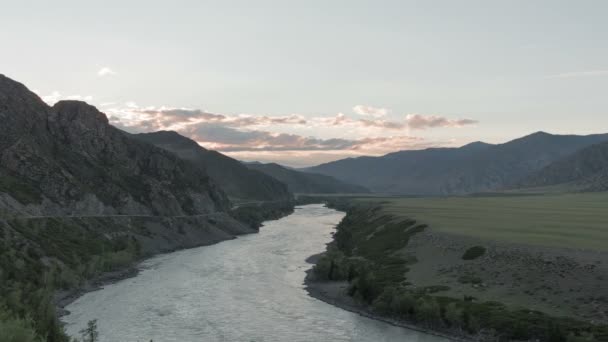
[473, 265]
[484, 241]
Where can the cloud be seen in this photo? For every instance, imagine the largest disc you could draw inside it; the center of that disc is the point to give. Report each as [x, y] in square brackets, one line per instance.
[163, 118]
[56, 96]
[364, 147]
[174, 118]
[252, 137]
[417, 121]
[229, 139]
[242, 133]
[105, 71]
[382, 124]
[413, 121]
[588, 73]
[370, 111]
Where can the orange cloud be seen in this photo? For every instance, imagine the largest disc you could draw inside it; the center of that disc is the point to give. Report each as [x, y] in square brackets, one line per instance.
[417, 121]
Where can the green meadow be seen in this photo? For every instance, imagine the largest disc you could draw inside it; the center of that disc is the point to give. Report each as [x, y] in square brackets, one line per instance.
[556, 220]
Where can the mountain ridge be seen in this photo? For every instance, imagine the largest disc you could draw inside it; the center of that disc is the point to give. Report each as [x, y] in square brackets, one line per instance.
[237, 180]
[585, 170]
[305, 182]
[476, 167]
[68, 159]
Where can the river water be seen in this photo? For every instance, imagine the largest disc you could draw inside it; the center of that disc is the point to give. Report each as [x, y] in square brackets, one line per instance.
[247, 289]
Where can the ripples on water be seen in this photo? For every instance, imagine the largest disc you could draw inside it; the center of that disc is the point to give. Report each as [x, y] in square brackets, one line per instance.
[248, 289]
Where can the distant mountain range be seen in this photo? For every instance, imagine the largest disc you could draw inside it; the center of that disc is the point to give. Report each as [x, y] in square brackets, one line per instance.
[236, 179]
[476, 167]
[306, 182]
[68, 159]
[585, 170]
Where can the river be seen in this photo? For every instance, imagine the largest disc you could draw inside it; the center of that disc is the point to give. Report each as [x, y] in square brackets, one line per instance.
[247, 289]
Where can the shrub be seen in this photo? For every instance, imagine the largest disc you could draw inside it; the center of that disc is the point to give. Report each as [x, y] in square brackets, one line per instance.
[16, 330]
[90, 333]
[428, 311]
[384, 302]
[473, 253]
[404, 304]
[454, 315]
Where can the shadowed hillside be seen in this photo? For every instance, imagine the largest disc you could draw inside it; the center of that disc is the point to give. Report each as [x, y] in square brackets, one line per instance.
[67, 159]
[586, 170]
[80, 198]
[476, 167]
[235, 179]
[306, 182]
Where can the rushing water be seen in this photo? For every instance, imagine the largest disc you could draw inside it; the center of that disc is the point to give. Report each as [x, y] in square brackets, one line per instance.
[247, 289]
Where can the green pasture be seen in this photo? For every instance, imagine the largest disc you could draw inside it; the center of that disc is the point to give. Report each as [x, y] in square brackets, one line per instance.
[558, 220]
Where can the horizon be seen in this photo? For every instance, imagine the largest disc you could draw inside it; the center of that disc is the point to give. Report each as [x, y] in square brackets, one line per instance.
[364, 80]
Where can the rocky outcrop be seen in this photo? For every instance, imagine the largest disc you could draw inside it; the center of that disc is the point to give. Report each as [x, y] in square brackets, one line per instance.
[68, 160]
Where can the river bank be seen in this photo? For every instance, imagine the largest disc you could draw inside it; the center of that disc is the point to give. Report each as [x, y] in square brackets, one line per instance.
[162, 235]
[246, 289]
[335, 293]
[397, 270]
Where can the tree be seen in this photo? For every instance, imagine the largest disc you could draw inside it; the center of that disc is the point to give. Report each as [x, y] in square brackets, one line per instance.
[16, 330]
[428, 311]
[90, 333]
[454, 315]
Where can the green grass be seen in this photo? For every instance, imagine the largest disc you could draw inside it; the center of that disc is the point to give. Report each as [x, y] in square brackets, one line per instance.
[370, 248]
[560, 220]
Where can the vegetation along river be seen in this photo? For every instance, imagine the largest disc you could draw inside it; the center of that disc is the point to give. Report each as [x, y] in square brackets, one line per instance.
[247, 289]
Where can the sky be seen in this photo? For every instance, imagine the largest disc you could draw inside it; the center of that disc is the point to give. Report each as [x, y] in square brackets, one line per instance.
[306, 82]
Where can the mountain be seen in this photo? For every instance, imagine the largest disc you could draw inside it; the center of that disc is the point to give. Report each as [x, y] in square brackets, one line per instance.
[81, 202]
[475, 167]
[585, 170]
[305, 182]
[68, 160]
[236, 179]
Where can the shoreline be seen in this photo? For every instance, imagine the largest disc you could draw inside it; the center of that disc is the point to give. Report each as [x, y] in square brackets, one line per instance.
[329, 292]
[62, 298]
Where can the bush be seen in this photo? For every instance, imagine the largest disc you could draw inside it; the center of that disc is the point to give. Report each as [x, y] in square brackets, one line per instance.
[454, 315]
[16, 330]
[428, 311]
[90, 333]
[404, 304]
[384, 302]
[473, 253]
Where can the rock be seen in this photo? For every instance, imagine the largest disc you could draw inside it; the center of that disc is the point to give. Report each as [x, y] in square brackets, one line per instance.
[68, 160]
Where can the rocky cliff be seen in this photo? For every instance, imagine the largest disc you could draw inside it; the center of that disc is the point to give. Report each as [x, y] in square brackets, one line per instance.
[68, 160]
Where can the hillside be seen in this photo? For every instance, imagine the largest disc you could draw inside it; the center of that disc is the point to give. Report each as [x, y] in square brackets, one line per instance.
[67, 159]
[306, 182]
[585, 170]
[81, 200]
[234, 178]
[477, 167]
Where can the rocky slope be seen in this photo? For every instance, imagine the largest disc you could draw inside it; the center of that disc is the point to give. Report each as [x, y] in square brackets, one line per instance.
[477, 167]
[80, 200]
[586, 170]
[307, 182]
[67, 159]
[238, 181]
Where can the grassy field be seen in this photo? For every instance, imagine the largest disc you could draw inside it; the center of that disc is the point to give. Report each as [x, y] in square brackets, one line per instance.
[563, 220]
[397, 261]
